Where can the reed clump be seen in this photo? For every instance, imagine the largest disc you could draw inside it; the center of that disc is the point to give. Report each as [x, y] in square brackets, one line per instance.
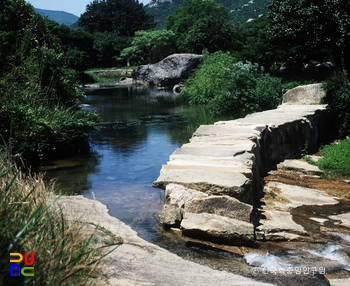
[66, 252]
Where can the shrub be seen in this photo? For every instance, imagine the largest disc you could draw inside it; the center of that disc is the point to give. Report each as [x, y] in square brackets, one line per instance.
[35, 132]
[35, 88]
[230, 88]
[31, 222]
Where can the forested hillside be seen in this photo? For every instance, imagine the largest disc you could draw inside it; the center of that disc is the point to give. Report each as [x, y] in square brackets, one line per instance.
[239, 10]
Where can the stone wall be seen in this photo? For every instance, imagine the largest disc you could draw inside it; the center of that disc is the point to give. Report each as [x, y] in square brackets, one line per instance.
[213, 183]
[113, 73]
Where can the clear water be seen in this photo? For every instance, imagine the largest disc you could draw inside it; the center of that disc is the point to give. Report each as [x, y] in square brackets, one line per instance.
[139, 130]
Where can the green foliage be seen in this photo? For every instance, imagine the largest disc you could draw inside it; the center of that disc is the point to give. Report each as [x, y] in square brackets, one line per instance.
[122, 17]
[36, 131]
[85, 50]
[255, 45]
[161, 11]
[231, 88]
[31, 221]
[240, 10]
[338, 100]
[38, 93]
[336, 158]
[107, 47]
[200, 25]
[305, 30]
[149, 47]
[77, 45]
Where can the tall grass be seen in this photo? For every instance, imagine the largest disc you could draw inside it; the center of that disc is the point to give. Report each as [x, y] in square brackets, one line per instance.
[31, 221]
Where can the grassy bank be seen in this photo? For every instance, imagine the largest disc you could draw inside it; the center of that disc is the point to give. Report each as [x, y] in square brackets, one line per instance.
[335, 161]
[31, 221]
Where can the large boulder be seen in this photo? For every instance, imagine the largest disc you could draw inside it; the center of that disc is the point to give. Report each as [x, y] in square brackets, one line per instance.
[305, 94]
[168, 72]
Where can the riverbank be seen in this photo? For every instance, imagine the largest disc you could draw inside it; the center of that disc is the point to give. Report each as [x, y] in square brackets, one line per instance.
[138, 262]
[266, 252]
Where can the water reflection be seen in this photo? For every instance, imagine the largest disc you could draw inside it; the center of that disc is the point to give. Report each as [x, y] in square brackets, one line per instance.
[139, 129]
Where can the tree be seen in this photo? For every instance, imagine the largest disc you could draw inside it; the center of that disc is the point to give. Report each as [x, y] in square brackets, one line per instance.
[122, 17]
[38, 93]
[201, 24]
[150, 46]
[307, 28]
[107, 47]
[256, 47]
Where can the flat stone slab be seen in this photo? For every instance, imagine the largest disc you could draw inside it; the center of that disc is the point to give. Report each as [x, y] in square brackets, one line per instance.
[220, 205]
[217, 228]
[300, 166]
[212, 150]
[284, 114]
[345, 219]
[242, 161]
[220, 160]
[284, 236]
[278, 222]
[339, 282]
[319, 220]
[225, 130]
[211, 180]
[296, 196]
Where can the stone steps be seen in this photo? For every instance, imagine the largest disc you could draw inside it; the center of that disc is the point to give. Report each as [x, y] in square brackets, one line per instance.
[208, 179]
[229, 158]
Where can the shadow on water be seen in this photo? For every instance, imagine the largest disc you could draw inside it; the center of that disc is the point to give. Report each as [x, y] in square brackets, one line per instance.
[139, 129]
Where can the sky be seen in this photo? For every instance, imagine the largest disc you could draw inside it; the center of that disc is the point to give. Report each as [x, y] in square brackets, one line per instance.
[75, 7]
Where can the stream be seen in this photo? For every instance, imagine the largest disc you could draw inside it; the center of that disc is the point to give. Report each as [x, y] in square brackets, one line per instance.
[139, 130]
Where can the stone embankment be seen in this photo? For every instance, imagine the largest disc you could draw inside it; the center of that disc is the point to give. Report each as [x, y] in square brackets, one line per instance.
[113, 73]
[213, 184]
[214, 191]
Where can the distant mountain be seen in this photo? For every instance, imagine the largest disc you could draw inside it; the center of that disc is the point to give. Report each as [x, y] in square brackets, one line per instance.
[58, 16]
[240, 10]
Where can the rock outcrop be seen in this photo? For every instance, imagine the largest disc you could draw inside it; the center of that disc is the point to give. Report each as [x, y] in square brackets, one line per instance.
[168, 72]
[138, 262]
[305, 94]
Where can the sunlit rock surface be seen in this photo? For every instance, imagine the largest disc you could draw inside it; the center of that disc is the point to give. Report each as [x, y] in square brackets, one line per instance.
[229, 159]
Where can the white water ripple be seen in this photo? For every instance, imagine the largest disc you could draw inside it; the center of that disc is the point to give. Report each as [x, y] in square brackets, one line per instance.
[267, 261]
